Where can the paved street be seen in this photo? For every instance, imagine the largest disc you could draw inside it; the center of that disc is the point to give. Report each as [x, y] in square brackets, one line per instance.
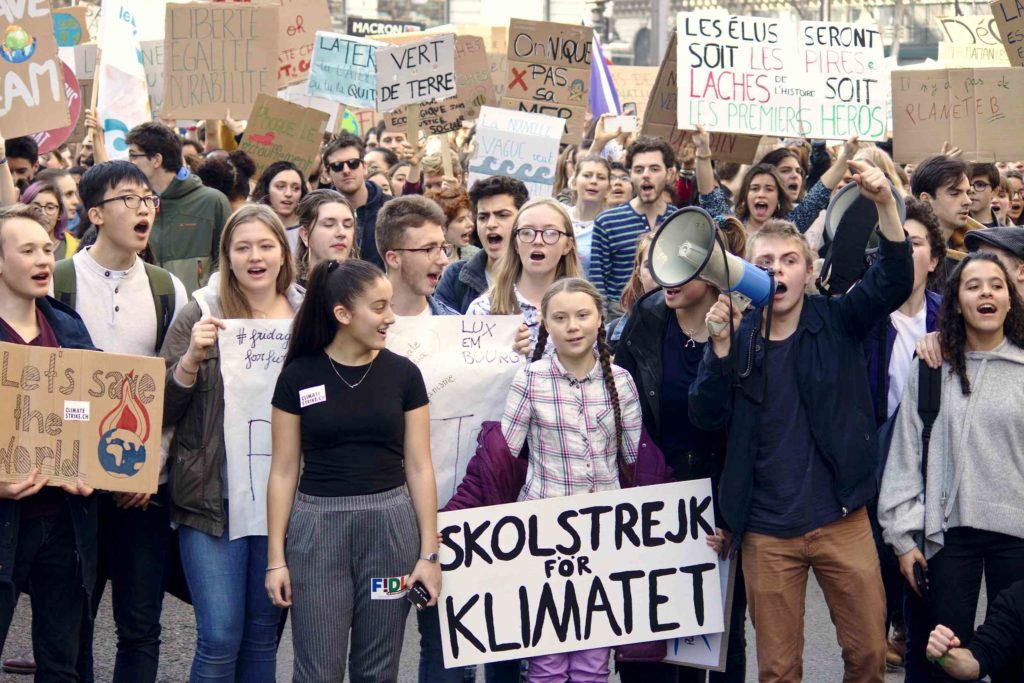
[822, 662]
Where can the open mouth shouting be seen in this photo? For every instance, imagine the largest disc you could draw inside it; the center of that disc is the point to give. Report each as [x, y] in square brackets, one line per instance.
[142, 228]
[42, 279]
[537, 255]
[987, 309]
[494, 241]
[761, 209]
[780, 290]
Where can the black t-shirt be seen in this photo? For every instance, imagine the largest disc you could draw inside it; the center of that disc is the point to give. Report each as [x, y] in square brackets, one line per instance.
[352, 439]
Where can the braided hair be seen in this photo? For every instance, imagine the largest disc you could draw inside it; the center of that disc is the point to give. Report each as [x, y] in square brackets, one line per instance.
[575, 285]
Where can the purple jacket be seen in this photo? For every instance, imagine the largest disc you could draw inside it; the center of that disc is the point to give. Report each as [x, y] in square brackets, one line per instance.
[494, 477]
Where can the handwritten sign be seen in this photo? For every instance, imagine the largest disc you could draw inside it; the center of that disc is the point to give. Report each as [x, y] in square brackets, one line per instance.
[81, 415]
[517, 144]
[771, 77]
[344, 69]
[417, 72]
[659, 119]
[1009, 19]
[69, 26]
[976, 110]
[153, 65]
[281, 131]
[578, 572]
[218, 57]
[970, 41]
[251, 355]
[468, 365]
[360, 28]
[33, 96]
[634, 84]
[299, 22]
[549, 72]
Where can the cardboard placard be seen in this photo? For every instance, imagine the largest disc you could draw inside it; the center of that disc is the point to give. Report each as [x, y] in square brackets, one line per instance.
[153, 64]
[976, 110]
[549, 72]
[360, 28]
[282, 131]
[1009, 20]
[634, 84]
[578, 572]
[769, 76]
[69, 26]
[517, 144]
[32, 92]
[81, 415]
[660, 118]
[49, 140]
[496, 44]
[218, 57]
[299, 21]
[344, 69]
[970, 41]
[416, 72]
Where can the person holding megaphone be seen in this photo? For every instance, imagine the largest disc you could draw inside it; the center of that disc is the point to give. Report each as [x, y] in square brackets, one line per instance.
[801, 453]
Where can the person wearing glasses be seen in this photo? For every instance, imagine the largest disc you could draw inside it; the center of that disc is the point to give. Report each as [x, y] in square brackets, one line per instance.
[984, 182]
[186, 230]
[46, 196]
[541, 252]
[343, 159]
[410, 239]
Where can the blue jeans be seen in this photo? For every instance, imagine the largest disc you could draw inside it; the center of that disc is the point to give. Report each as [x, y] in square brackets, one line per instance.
[432, 656]
[236, 624]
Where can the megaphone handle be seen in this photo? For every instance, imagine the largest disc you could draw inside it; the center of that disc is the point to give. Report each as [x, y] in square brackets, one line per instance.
[739, 301]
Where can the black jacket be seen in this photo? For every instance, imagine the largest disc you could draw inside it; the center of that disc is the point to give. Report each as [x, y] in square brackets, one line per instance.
[997, 643]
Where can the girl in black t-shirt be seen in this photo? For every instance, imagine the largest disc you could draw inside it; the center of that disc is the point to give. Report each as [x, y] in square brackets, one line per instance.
[358, 415]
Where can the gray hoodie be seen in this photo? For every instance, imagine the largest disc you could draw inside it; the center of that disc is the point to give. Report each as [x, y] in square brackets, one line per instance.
[975, 458]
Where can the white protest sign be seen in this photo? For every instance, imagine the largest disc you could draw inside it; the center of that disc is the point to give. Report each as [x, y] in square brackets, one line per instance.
[153, 63]
[708, 651]
[770, 76]
[416, 72]
[518, 144]
[251, 355]
[578, 572]
[468, 365]
[344, 69]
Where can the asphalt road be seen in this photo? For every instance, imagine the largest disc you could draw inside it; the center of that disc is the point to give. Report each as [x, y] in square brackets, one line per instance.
[822, 661]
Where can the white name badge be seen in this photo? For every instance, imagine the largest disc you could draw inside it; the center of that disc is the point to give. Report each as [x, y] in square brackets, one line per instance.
[308, 397]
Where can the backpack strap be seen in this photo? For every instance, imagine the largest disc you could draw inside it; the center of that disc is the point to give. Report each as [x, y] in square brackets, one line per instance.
[65, 282]
[929, 400]
[162, 287]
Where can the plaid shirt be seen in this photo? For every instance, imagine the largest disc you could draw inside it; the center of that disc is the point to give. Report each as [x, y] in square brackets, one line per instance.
[570, 427]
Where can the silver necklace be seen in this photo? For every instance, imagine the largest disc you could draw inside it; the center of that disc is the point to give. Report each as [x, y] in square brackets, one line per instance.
[350, 386]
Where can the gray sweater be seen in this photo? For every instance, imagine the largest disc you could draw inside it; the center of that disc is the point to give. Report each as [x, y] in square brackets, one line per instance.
[975, 459]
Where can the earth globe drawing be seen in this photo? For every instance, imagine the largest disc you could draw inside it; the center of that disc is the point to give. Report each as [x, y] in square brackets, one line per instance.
[18, 45]
[123, 434]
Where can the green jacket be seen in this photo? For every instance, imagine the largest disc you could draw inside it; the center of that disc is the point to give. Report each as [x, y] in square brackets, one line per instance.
[186, 234]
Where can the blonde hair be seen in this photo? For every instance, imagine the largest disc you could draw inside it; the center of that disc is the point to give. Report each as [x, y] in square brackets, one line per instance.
[780, 229]
[233, 301]
[434, 164]
[635, 287]
[510, 266]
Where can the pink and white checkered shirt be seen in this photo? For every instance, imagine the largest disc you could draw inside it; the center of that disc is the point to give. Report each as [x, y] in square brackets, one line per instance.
[569, 425]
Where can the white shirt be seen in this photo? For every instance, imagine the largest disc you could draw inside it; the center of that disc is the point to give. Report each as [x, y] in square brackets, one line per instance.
[908, 331]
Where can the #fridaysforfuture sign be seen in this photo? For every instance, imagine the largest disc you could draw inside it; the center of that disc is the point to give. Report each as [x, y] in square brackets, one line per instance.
[416, 72]
[468, 366]
[549, 71]
[773, 77]
[77, 414]
[218, 57]
[970, 41]
[976, 110]
[278, 130]
[660, 119]
[578, 572]
[251, 355]
[33, 95]
[344, 69]
[517, 144]
[299, 21]
[1009, 20]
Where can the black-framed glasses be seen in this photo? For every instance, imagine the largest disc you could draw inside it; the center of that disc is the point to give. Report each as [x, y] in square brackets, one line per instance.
[132, 201]
[548, 235]
[339, 166]
[980, 186]
[132, 156]
[49, 209]
[433, 251]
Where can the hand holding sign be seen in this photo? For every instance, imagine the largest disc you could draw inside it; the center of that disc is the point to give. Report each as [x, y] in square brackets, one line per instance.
[204, 336]
[702, 142]
[23, 489]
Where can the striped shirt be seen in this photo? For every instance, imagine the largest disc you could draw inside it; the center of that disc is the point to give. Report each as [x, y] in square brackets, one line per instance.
[613, 247]
[569, 425]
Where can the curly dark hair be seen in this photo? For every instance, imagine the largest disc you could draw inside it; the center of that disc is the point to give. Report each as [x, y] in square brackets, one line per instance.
[953, 330]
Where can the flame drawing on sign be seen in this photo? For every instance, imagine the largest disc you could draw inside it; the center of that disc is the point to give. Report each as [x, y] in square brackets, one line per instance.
[123, 433]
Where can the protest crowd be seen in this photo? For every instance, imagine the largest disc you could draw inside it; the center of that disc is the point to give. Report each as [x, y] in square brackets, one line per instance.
[577, 381]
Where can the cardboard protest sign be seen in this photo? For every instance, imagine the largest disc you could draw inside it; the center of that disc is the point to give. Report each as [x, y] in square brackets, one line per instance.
[299, 22]
[217, 57]
[416, 72]
[81, 415]
[344, 69]
[660, 118]
[1009, 20]
[360, 28]
[32, 96]
[517, 144]
[970, 41]
[85, 62]
[281, 131]
[496, 44]
[708, 651]
[771, 77]
[468, 366]
[634, 84]
[69, 26]
[578, 572]
[549, 72]
[49, 140]
[976, 110]
[251, 355]
[153, 64]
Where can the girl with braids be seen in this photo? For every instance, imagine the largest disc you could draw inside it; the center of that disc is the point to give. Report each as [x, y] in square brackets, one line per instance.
[971, 515]
[580, 416]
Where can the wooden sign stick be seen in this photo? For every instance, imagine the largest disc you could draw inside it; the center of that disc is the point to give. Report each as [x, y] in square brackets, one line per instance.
[412, 124]
[446, 155]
